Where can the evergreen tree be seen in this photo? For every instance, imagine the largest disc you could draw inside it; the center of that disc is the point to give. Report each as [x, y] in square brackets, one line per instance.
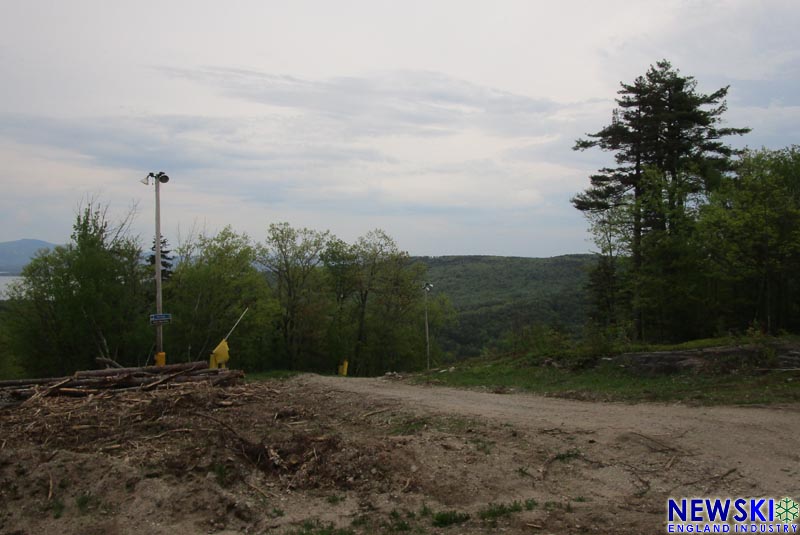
[666, 138]
[166, 259]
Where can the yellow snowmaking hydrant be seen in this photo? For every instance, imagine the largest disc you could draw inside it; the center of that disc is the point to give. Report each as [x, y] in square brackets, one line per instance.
[220, 356]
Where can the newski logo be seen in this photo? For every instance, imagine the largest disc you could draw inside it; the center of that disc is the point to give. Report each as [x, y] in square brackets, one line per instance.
[732, 515]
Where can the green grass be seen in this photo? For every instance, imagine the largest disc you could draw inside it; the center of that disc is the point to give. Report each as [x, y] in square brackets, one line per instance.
[270, 375]
[612, 383]
[409, 426]
[315, 527]
[448, 518]
[482, 445]
[397, 526]
[566, 456]
[57, 508]
[494, 511]
[701, 343]
[221, 473]
[85, 502]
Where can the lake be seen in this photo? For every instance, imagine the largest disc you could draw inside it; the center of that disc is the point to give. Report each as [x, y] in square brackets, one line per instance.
[5, 281]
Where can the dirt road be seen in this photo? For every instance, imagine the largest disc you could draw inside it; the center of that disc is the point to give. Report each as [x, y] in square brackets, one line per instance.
[613, 465]
[320, 455]
[761, 443]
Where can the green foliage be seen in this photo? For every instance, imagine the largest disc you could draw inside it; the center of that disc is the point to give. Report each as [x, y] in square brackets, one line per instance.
[317, 302]
[494, 298]
[540, 340]
[379, 295]
[81, 301]
[749, 233]
[667, 143]
[166, 259]
[292, 258]
[361, 302]
[213, 283]
[9, 363]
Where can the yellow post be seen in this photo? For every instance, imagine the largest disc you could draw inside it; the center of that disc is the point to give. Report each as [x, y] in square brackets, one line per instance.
[161, 358]
[343, 368]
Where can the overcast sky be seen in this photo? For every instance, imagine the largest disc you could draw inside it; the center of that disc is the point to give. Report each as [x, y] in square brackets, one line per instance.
[449, 124]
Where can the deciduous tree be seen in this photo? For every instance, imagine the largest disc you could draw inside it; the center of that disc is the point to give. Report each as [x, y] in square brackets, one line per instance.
[82, 300]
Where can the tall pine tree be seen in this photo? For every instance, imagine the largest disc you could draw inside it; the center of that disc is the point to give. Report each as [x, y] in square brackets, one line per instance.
[666, 138]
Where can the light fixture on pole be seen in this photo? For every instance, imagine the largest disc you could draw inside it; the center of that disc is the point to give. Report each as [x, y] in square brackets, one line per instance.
[160, 318]
[427, 288]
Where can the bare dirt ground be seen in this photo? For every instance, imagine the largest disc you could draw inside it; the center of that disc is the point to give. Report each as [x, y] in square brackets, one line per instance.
[314, 455]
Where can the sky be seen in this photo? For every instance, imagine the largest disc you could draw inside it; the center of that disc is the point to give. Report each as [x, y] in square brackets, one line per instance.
[448, 124]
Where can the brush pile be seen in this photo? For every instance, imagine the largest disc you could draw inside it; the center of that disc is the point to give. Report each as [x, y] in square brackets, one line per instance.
[89, 382]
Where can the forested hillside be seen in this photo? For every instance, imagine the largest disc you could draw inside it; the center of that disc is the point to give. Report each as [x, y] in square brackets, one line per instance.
[495, 295]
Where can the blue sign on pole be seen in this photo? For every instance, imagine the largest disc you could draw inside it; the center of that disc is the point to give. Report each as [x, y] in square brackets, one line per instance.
[160, 319]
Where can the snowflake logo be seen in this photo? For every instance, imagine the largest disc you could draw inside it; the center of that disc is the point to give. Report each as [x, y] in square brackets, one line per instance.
[787, 510]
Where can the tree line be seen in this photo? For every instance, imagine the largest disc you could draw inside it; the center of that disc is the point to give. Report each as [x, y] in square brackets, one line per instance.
[314, 300]
[696, 239]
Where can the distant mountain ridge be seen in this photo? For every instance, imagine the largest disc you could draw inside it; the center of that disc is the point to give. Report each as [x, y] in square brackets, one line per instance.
[14, 255]
[497, 295]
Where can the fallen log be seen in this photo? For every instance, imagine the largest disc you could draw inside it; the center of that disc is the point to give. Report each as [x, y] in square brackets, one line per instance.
[86, 387]
[134, 379]
[116, 379]
[11, 383]
[112, 372]
[157, 370]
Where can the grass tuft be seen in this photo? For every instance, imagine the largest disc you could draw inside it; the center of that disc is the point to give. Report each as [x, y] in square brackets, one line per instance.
[315, 527]
[448, 518]
[497, 510]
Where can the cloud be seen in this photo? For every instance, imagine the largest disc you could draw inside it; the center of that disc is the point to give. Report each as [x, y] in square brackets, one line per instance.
[177, 143]
[398, 141]
[391, 103]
